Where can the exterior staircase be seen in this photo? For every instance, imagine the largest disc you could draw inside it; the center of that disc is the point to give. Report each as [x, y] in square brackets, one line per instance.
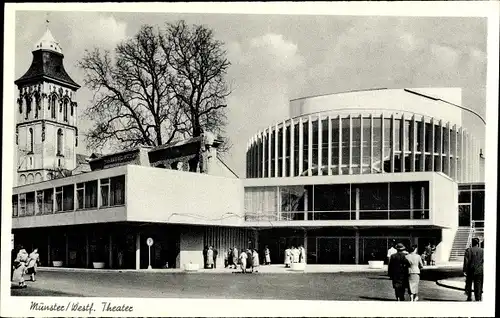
[460, 243]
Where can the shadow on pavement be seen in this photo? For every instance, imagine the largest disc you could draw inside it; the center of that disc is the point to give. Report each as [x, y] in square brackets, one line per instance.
[30, 291]
[376, 298]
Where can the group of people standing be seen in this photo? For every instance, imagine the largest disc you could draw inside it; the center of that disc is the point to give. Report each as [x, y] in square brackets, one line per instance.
[24, 263]
[247, 259]
[295, 255]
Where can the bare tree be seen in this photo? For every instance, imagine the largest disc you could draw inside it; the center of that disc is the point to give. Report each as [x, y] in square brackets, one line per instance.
[159, 86]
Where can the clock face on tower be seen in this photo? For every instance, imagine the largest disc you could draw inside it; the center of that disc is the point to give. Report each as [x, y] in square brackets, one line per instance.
[46, 121]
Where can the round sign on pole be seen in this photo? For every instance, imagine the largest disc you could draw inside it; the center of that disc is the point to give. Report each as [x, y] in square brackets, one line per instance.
[149, 241]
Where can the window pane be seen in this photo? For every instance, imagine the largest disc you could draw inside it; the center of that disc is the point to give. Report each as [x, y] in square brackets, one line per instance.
[437, 138]
[345, 144]
[280, 152]
[315, 140]
[48, 201]
[419, 135]
[118, 190]
[30, 203]
[328, 198]
[399, 196]
[80, 199]
[15, 206]
[387, 144]
[305, 150]
[356, 145]
[335, 145]
[104, 195]
[296, 150]
[39, 202]
[324, 146]
[478, 205]
[266, 155]
[68, 197]
[273, 152]
[408, 136]
[294, 199]
[428, 138]
[373, 196]
[287, 154]
[377, 145]
[397, 134]
[366, 145]
[91, 194]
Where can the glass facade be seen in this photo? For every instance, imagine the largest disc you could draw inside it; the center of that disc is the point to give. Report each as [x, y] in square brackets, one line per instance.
[470, 204]
[363, 144]
[367, 201]
[70, 197]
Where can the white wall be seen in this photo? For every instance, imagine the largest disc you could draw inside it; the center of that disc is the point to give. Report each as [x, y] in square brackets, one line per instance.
[191, 246]
[391, 99]
[165, 195]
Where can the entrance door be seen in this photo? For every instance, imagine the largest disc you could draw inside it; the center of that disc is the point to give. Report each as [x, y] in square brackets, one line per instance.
[347, 250]
[464, 215]
[328, 250]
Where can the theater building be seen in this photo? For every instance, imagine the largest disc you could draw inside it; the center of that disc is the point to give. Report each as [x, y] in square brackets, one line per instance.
[344, 175]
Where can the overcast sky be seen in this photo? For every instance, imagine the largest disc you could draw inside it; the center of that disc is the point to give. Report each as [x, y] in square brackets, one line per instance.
[276, 58]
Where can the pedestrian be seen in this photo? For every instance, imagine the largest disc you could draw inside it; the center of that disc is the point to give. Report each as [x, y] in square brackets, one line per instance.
[210, 258]
[227, 256]
[235, 257]
[249, 258]
[255, 261]
[473, 270]
[482, 244]
[243, 261]
[120, 259]
[205, 252]
[13, 258]
[398, 272]
[20, 267]
[295, 255]
[428, 252]
[288, 257]
[302, 254]
[392, 250]
[415, 265]
[433, 254]
[267, 256]
[215, 253]
[32, 264]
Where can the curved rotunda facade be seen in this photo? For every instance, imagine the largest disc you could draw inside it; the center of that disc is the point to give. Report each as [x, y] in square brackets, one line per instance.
[330, 138]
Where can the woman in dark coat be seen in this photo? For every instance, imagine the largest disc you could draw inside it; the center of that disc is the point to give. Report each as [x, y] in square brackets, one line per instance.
[398, 272]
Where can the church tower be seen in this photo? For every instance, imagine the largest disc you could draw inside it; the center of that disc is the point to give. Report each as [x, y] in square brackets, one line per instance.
[46, 116]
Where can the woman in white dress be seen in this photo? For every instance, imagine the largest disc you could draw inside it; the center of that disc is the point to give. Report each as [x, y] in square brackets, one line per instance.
[302, 256]
[243, 261]
[288, 257]
[255, 261]
[267, 254]
[32, 264]
[295, 255]
[416, 265]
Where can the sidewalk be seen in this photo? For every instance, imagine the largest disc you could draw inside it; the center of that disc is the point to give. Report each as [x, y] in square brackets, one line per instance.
[457, 283]
[271, 269]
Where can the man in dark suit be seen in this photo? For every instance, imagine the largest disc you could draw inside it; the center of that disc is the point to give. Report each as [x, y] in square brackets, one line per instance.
[398, 271]
[473, 270]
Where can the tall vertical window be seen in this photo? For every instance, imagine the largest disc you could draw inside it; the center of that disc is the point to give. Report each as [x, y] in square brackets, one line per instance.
[315, 147]
[31, 140]
[397, 135]
[104, 192]
[59, 142]
[356, 145]
[288, 137]
[387, 144]
[15, 206]
[296, 171]
[305, 149]
[48, 201]
[66, 110]
[39, 202]
[22, 204]
[30, 203]
[91, 194]
[419, 136]
[117, 190]
[68, 197]
[80, 196]
[335, 146]
[367, 136]
[280, 151]
[53, 107]
[324, 146]
[59, 199]
[345, 145]
[377, 145]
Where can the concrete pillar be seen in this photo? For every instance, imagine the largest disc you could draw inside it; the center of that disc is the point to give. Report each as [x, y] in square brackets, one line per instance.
[87, 250]
[320, 146]
[305, 241]
[66, 251]
[329, 145]
[138, 251]
[48, 250]
[356, 247]
[110, 255]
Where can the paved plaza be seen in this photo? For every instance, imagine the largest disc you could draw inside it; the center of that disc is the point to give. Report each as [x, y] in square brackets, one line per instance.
[368, 285]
